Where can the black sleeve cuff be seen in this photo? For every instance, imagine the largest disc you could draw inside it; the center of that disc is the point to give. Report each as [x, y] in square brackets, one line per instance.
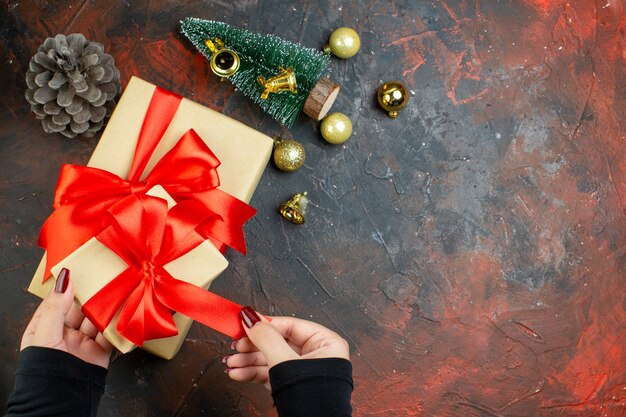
[312, 387]
[49, 382]
[40, 361]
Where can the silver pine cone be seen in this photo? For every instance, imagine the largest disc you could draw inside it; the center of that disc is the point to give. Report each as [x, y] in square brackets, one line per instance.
[72, 85]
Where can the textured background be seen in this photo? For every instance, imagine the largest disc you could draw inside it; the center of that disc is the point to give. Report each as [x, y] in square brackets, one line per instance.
[472, 251]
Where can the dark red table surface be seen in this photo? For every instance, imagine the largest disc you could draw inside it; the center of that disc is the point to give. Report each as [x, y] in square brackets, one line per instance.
[472, 251]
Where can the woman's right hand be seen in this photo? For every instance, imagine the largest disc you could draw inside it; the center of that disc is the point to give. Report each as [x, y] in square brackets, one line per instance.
[285, 338]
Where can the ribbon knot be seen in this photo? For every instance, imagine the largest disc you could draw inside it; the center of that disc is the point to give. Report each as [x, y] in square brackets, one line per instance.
[138, 187]
[148, 270]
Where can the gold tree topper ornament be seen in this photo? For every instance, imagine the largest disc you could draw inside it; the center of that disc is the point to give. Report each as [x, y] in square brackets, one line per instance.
[295, 208]
[285, 80]
[224, 62]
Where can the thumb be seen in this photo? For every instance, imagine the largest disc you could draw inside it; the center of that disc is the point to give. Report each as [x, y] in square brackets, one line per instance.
[265, 337]
[56, 306]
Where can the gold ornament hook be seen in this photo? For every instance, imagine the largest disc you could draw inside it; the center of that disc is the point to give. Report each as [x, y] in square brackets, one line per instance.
[209, 44]
[224, 62]
[295, 208]
[285, 80]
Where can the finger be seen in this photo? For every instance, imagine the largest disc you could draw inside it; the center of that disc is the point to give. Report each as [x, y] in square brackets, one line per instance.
[265, 337]
[244, 345]
[295, 348]
[104, 343]
[241, 360]
[88, 329]
[52, 312]
[74, 317]
[300, 331]
[316, 340]
[259, 374]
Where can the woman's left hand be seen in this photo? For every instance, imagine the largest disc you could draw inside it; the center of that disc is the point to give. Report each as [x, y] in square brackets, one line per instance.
[59, 324]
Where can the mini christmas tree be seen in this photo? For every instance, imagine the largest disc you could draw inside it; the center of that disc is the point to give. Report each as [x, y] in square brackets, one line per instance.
[266, 56]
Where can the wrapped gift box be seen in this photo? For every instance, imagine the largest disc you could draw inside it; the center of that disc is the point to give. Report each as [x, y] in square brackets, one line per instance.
[242, 151]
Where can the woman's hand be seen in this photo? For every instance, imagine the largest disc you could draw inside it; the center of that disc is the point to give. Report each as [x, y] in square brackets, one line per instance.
[285, 338]
[59, 324]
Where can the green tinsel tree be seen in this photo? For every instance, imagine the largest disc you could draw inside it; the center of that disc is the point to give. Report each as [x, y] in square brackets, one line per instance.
[261, 55]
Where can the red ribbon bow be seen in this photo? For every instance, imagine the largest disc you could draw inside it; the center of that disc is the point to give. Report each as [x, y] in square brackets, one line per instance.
[187, 171]
[146, 236]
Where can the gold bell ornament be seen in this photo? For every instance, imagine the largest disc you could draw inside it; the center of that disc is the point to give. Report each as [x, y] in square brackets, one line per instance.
[393, 97]
[343, 43]
[224, 62]
[289, 154]
[295, 208]
[285, 80]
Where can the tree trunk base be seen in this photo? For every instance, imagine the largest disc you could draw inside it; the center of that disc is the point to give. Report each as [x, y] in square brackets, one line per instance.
[321, 98]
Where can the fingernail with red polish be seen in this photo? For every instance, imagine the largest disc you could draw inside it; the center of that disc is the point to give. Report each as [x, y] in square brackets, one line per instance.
[249, 317]
[225, 358]
[62, 280]
[227, 370]
[233, 345]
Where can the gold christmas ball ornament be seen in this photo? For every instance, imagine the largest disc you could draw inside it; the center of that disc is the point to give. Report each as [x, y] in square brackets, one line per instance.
[336, 128]
[224, 62]
[295, 208]
[289, 154]
[393, 97]
[344, 43]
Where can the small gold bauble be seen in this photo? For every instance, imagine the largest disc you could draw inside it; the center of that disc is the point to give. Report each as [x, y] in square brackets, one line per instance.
[344, 43]
[336, 128]
[289, 154]
[295, 208]
[393, 97]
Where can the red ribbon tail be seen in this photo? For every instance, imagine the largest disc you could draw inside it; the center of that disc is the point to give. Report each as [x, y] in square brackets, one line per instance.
[201, 305]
